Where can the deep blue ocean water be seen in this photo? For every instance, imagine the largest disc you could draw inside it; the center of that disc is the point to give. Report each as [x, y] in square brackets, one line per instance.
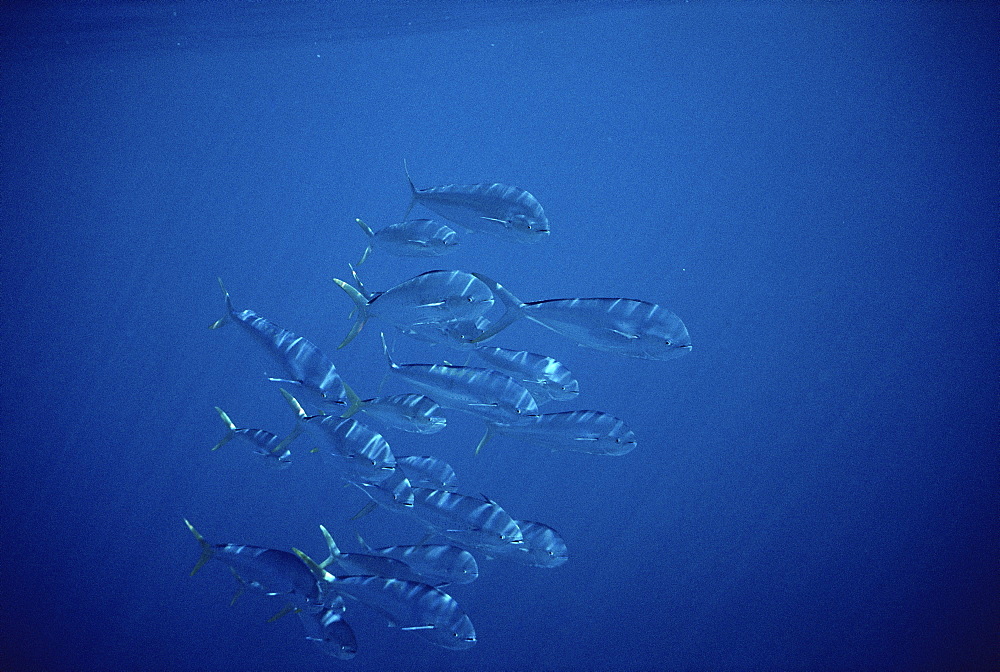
[811, 187]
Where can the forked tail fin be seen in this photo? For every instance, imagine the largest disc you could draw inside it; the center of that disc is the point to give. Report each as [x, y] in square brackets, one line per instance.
[206, 548]
[511, 303]
[362, 307]
[229, 308]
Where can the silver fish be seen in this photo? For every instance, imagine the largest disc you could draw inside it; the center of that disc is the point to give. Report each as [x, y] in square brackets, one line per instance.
[457, 334]
[365, 564]
[357, 451]
[273, 449]
[415, 413]
[483, 392]
[542, 547]
[330, 632]
[412, 238]
[418, 607]
[272, 571]
[626, 326]
[437, 563]
[303, 363]
[467, 521]
[498, 209]
[433, 297]
[591, 432]
[428, 472]
[544, 377]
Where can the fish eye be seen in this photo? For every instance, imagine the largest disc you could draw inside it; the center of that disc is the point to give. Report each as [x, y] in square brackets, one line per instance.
[666, 342]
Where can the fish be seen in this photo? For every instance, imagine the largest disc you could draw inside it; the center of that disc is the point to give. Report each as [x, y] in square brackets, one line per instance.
[437, 563]
[624, 326]
[365, 564]
[428, 472]
[483, 392]
[418, 607]
[457, 334]
[394, 493]
[362, 454]
[273, 449]
[591, 432]
[542, 547]
[330, 632]
[412, 238]
[467, 521]
[433, 297]
[303, 363]
[272, 571]
[415, 413]
[544, 377]
[498, 209]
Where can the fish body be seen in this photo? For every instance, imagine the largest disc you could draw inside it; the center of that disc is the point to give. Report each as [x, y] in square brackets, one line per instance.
[498, 209]
[362, 454]
[409, 605]
[433, 297]
[302, 363]
[365, 564]
[542, 547]
[330, 632]
[457, 334]
[415, 413]
[467, 521]
[544, 377]
[483, 392]
[436, 563]
[271, 571]
[428, 472]
[628, 327]
[412, 238]
[591, 432]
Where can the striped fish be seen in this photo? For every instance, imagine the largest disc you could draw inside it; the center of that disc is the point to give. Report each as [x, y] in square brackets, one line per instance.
[437, 563]
[428, 472]
[424, 609]
[457, 334]
[591, 432]
[544, 377]
[266, 444]
[365, 564]
[467, 521]
[482, 392]
[271, 571]
[542, 547]
[433, 297]
[302, 362]
[412, 238]
[498, 209]
[626, 326]
[330, 632]
[360, 453]
[413, 413]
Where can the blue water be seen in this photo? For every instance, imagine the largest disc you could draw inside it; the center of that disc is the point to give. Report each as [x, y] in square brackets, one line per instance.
[811, 187]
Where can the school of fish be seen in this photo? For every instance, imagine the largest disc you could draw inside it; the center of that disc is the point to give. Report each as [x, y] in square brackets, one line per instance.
[404, 583]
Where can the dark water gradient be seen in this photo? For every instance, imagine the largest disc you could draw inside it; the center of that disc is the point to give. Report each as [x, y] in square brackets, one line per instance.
[810, 186]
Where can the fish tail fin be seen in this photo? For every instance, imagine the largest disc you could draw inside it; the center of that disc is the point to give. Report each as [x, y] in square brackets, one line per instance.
[206, 548]
[354, 403]
[413, 190]
[513, 305]
[361, 286]
[331, 546]
[229, 424]
[360, 303]
[229, 308]
[285, 610]
[294, 403]
[317, 571]
[283, 444]
[361, 541]
[486, 438]
[371, 234]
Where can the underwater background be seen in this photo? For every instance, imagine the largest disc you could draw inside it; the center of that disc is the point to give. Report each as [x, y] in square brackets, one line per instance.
[810, 186]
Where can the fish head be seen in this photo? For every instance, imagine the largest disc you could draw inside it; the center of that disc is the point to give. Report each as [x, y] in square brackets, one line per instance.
[529, 229]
